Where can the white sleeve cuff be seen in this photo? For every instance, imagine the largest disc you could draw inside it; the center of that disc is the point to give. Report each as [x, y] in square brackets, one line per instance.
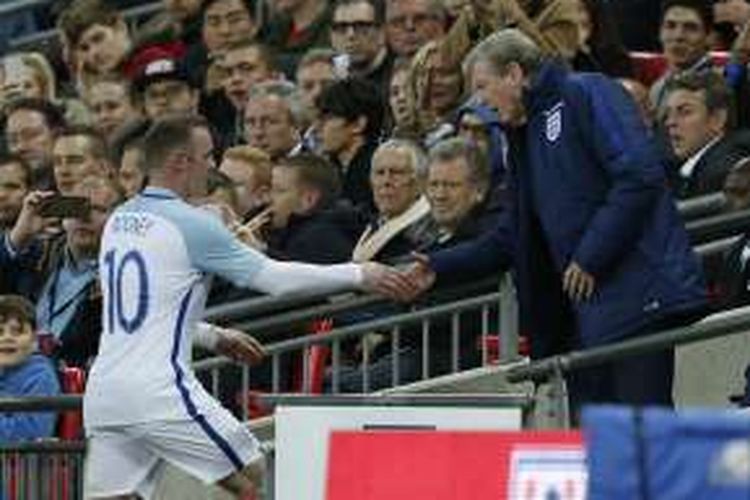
[206, 335]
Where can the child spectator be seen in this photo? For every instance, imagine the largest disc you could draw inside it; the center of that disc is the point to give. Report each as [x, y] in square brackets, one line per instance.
[23, 372]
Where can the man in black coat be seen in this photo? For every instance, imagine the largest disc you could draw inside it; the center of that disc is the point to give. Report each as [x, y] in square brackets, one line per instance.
[307, 221]
[351, 117]
[697, 120]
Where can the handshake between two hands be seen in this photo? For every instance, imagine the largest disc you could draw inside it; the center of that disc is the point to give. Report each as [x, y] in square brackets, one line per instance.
[402, 284]
[407, 283]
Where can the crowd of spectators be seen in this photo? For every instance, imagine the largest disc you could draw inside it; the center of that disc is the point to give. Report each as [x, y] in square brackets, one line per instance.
[340, 129]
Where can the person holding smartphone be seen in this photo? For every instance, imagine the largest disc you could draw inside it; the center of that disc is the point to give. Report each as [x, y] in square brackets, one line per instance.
[69, 302]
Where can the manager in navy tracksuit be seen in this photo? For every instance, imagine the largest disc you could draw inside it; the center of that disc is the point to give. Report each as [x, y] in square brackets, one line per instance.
[599, 251]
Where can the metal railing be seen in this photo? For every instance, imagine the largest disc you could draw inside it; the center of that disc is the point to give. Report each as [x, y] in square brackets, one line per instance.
[500, 304]
[722, 324]
[38, 403]
[702, 206]
[14, 7]
[269, 316]
[718, 226]
[430, 321]
[42, 469]
[717, 247]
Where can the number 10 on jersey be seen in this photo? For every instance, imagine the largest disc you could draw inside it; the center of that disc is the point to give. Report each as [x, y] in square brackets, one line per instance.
[128, 306]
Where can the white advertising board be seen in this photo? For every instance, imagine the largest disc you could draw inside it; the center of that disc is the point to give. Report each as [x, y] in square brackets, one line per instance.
[302, 434]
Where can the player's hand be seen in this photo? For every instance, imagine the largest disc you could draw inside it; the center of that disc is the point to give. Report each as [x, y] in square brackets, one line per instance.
[255, 471]
[239, 346]
[577, 283]
[387, 281]
[420, 274]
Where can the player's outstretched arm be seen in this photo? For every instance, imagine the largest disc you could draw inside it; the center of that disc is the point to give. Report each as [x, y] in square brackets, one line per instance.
[279, 278]
[215, 250]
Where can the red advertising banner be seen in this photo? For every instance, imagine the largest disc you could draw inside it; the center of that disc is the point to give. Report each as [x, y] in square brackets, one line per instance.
[446, 465]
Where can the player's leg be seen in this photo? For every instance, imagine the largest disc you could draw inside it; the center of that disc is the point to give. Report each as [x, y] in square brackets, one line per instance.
[115, 449]
[211, 446]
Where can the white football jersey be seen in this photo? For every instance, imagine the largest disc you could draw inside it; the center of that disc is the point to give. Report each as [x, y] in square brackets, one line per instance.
[156, 259]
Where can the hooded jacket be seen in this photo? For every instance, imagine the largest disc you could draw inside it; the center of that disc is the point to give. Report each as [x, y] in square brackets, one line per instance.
[498, 143]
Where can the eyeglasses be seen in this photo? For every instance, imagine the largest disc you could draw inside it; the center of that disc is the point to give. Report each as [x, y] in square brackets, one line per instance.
[358, 27]
[447, 185]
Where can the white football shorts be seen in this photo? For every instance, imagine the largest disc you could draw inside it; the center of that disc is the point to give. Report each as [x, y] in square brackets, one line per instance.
[128, 459]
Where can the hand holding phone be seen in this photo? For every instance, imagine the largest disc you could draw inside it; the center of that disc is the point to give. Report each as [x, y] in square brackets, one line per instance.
[64, 207]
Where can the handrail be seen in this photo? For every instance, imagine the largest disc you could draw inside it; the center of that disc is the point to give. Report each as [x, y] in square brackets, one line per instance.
[74, 401]
[701, 206]
[716, 247]
[414, 400]
[240, 314]
[718, 226]
[358, 328]
[721, 324]
[41, 403]
[266, 304]
[8, 8]
[43, 446]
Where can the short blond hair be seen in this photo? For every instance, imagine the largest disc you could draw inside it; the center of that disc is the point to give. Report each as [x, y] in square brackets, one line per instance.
[256, 159]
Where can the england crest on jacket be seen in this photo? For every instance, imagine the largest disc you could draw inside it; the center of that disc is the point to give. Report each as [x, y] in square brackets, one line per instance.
[553, 128]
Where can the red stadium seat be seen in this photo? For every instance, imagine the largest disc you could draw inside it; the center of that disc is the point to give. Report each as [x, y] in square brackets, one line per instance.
[317, 356]
[70, 424]
[649, 66]
[492, 344]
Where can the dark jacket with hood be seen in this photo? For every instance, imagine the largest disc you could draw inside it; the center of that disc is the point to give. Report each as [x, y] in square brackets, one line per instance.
[495, 134]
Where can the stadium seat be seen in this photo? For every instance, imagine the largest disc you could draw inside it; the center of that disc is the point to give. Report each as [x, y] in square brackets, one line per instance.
[649, 66]
[492, 345]
[317, 356]
[70, 424]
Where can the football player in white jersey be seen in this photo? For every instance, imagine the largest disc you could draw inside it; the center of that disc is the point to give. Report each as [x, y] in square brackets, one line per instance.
[143, 406]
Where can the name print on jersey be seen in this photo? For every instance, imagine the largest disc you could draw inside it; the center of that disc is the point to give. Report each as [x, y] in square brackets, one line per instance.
[136, 224]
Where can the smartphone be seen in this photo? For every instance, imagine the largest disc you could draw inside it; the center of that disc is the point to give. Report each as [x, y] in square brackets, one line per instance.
[64, 207]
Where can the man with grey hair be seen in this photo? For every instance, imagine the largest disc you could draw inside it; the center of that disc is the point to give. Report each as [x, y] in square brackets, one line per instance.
[273, 119]
[458, 179]
[402, 223]
[599, 250]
